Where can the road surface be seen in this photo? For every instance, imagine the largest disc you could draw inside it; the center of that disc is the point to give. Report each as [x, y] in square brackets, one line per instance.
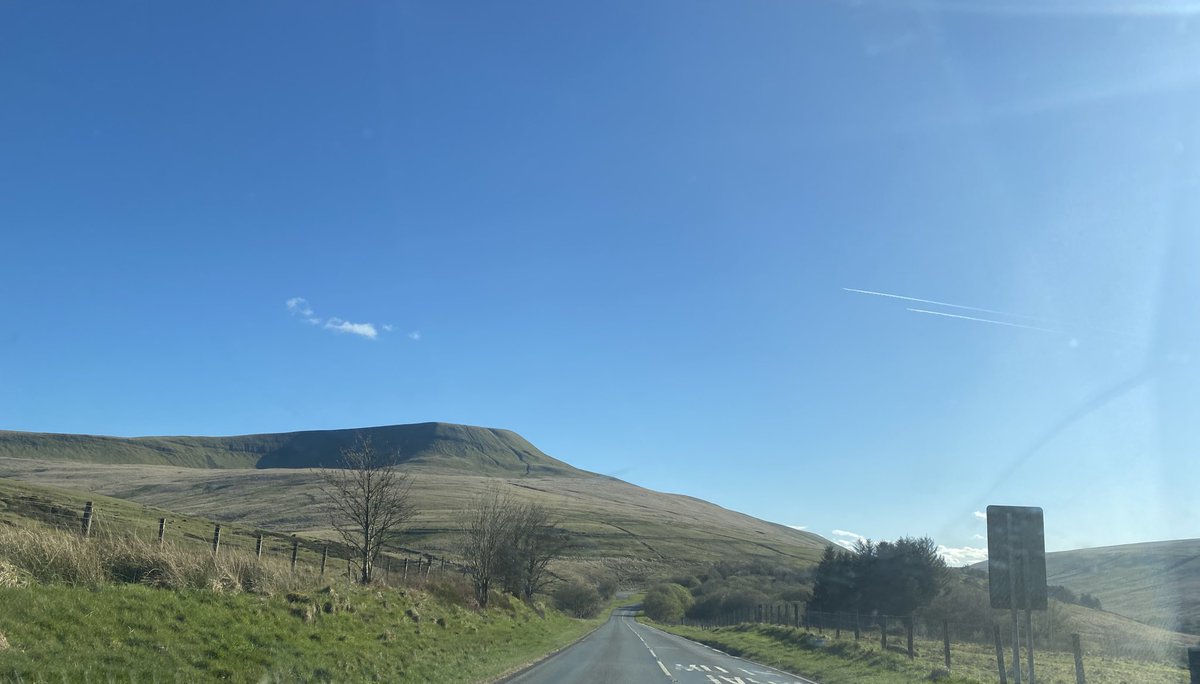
[624, 651]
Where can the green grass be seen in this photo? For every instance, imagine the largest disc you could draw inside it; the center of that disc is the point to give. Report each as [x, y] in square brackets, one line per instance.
[607, 518]
[137, 633]
[1155, 582]
[848, 662]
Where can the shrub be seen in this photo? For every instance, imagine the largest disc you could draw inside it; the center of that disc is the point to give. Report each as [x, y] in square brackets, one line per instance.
[575, 598]
[667, 603]
[607, 588]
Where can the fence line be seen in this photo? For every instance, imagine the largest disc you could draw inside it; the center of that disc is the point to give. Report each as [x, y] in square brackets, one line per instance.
[90, 522]
[937, 639]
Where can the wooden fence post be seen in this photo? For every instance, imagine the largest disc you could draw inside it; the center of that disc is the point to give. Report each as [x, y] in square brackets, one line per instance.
[443, 568]
[999, 654]
[946, 642]
[1078, 651]
[216, 540]
[162, 530]
[857, 626]
[883, 632]
[405, 576]
[324, 558]
[295, 551]
[87, 519]
[258, 546]
[911, 653]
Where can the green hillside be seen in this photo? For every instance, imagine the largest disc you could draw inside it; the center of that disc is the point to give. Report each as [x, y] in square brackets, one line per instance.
[1157, 583]
[267, 481]
[485, 451]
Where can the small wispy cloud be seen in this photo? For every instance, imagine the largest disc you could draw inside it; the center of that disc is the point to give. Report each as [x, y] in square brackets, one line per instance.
[366, 330]
[846, 539]
[300, 308]
[980, 515]
[978, 536]
[963, 555]
[388, 327]
[415, 336]
[799, 527]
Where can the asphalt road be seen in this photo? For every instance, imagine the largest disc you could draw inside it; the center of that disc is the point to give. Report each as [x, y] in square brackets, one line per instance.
[630, 653]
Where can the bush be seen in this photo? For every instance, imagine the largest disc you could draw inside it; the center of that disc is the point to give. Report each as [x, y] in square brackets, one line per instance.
[685, 581]
[667, 603]
[580, 600]
[607, 588]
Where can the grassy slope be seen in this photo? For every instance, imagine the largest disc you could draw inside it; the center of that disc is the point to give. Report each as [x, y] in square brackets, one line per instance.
[846, 662]
[144, 634]
[451, 447]
[1157, 583]
[609, 518]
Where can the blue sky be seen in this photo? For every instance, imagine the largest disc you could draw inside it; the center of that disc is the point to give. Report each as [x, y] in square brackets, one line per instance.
[624, 230]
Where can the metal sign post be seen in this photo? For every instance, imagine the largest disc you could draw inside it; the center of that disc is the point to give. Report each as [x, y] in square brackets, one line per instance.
[1017, 571]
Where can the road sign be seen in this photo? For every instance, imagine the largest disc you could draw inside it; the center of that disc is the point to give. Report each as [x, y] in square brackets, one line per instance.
[1016, 557]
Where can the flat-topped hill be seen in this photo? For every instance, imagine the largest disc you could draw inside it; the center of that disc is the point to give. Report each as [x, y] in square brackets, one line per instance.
[462, 448]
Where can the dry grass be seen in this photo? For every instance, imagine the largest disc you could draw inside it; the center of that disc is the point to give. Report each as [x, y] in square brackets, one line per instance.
[56, 557]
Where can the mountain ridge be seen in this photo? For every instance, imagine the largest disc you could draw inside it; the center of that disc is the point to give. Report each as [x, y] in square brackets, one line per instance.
[467, 448]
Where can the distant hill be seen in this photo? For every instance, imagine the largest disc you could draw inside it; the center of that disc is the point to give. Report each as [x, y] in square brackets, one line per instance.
[266, 481]
[484, 451]
[1156, 583]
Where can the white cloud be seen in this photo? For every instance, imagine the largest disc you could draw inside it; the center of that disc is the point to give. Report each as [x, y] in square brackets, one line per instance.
[366, 330]
[846, 539]
[958, 557]
[981, 515]
[388, 327]
[979, 536]
[299, 307]
[415, 336]
[799, 527]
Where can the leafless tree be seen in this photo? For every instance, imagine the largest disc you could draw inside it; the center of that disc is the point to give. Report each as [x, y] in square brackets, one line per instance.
[535, 541]
[371, 501]
[509, 543]
[488, 534]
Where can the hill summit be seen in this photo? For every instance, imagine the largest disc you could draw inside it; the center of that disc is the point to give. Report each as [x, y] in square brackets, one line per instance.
[441, 446]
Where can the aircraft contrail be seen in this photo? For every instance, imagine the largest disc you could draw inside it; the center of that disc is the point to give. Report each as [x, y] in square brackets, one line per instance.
[945, 304]
[986, 320]
[994, 312]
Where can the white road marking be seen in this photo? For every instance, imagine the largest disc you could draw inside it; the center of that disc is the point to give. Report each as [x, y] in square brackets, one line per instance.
[664, 667]
[721, 669]
[705, 668]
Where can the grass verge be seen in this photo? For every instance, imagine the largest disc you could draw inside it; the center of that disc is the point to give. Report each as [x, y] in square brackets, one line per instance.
[849, 662]
[338, 633]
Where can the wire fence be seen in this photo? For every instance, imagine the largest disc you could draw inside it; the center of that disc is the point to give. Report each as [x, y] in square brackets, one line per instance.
[304, 555]
[940, 642]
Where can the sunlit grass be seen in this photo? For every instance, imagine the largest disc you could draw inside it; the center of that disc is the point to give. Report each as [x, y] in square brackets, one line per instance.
[845, 661]
[340, 633]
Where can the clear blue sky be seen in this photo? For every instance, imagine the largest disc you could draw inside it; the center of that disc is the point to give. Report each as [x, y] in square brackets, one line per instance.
[623, 230]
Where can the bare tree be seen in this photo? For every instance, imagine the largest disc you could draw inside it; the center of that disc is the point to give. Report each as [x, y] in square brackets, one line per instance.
[371, 502]
[536, 540]
[510, 544]
[488, 534]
